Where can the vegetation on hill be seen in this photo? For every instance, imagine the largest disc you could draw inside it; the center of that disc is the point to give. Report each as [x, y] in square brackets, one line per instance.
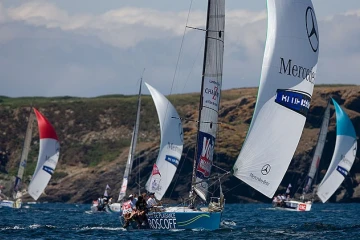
[95, 136]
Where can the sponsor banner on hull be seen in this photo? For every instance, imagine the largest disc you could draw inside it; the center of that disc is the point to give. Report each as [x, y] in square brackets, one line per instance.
[296, 101]
[158, 220]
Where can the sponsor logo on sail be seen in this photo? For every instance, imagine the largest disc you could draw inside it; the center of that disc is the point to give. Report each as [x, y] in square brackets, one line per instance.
[49, 170]
[346, 161]
[155, 184]
[311, 29]
[205, 155]
[259, 179]
[174, 147]
[294, 100]
[211, 94]
[173, 160]
[296, 71]
[265, 169]
[342, 171]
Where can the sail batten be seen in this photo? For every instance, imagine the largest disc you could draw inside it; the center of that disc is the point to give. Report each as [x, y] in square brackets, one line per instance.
[284, 95]
[210, 96]
[130, 160]
[171, 145]
[343, 157]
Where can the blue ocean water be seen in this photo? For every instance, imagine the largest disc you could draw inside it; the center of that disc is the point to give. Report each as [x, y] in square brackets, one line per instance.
[240, 221]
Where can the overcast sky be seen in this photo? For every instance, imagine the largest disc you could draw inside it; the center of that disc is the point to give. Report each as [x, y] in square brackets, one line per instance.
[90, 47]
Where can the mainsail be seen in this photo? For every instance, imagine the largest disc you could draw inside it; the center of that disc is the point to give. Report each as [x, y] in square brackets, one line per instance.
[285, 90]
[318, 150]
[48, 156]
[24, 156]
[210, 96]
[130, 159]
[171, 145]
[343, 157]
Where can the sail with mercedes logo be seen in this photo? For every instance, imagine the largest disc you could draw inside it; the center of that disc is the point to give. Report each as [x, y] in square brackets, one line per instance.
[284, 95]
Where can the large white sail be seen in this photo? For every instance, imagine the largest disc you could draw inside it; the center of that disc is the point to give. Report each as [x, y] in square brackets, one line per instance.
[48, 156]
[24, 156]
[318, 150]
[285, 90]
[343, 157]
[171, 145]
[130, 159]
[210, 95]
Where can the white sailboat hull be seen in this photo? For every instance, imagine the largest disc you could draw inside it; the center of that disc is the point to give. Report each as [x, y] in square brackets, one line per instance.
[294, 205]
[11, 204]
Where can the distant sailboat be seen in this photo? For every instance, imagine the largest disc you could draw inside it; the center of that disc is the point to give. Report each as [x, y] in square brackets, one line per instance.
[46, 164]
[285, 90]
[343, 157]
[116, 206]
[341, 162]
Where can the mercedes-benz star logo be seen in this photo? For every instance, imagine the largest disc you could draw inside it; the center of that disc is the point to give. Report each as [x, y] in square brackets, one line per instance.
[265, 169]
[311, 28]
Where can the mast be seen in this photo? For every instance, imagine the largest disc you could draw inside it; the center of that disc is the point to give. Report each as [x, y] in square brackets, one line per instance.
[193, 180]
[130, 160]
[24, 156]
[209, 98]
[318, 150]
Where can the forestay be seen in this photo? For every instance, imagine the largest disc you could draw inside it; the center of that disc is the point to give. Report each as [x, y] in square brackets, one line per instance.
[130, 159]
[210, 95]
[48, 156]
[171, 145]
[318, 150]
[285, 90]
[343, 157]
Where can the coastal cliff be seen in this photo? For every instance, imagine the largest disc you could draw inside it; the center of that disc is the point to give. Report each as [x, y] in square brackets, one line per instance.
[95, 135]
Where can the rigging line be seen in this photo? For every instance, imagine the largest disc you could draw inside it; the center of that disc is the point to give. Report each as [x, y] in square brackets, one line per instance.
[181, 46]
[193, 66]
[226, 172]
[191, 120]
[182, 165]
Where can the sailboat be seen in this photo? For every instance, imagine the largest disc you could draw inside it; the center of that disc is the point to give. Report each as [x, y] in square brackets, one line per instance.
[284, 95]
[191, 217]
[341, 163]
[305, 202]
[47, 160]
[170, 151]
[171, 146]
[116, 206]
[343, 157]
